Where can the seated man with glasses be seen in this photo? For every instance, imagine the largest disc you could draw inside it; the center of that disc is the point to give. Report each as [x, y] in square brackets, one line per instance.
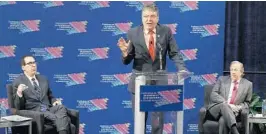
[32, 92]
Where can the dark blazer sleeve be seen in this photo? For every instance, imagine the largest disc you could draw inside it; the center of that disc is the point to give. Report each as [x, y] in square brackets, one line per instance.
[19, 102]
[131, 50]
[173, 51]
[245, 104]
[215, 94]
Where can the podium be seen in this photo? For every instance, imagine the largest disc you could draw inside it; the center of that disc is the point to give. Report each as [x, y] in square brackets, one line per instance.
[156, 80]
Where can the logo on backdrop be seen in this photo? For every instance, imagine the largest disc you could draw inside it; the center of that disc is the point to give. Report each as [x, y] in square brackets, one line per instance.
[48, 52]
[73, 27]
[205, 79]
[81, 128]
[172, 27]
[3, 3]
[95, 4]
[12, 77]
[94, 54]
[115, 129]
[93, 105]
[167, 128]
[48, 4]
[189, 54]
[189, 103]
[117, 28]
[164, 97]
[206, 30]
[25, 26]
[138, 4]
[127, 103]
[192, 128]
[185, 5]
[148, 129]
[7, 51]
[3, 106]
[116, 79]
[71, 79]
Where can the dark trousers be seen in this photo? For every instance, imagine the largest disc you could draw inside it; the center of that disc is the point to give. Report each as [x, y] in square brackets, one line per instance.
[224, 114]
[156, 117]
[57, 116]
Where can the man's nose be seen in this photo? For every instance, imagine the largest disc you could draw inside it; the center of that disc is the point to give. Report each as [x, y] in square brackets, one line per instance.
[149, 18]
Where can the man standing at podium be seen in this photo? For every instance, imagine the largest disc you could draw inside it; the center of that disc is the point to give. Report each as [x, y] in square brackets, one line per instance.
[145, 44]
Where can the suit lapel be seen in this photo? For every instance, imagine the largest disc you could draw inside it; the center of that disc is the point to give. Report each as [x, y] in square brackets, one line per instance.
[157, 40]
[227, 87]
[142, 39]
[240, 90]
[41, 85]
[30, 86]
[28, 83]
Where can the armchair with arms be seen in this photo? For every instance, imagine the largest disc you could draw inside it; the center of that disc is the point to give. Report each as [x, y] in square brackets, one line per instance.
[38, 118]
[212, 126]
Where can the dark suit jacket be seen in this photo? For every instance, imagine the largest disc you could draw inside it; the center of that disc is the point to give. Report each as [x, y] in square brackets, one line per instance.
[139, 52]
[221, 90]
[29, 100]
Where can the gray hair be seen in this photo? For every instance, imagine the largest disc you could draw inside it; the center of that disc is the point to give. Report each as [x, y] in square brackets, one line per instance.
[241, 64]
[151, 7]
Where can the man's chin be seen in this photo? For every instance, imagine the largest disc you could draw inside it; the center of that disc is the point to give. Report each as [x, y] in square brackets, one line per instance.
[34, 73]
[233, 78]
[148, 27]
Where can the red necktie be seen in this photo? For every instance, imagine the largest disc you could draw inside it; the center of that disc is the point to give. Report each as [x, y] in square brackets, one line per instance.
[151, 46]
[233, 97]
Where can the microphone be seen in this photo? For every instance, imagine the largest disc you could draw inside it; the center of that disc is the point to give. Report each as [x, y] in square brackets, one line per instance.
[160, 52]
[159, 46]
[160, 55]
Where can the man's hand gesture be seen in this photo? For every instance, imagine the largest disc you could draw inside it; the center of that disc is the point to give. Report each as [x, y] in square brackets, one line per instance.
[123, 45]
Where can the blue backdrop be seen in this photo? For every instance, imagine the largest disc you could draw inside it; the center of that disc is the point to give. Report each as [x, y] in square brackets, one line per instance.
[75, 44]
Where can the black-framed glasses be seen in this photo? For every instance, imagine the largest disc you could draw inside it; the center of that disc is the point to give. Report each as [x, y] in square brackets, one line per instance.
[31, 63]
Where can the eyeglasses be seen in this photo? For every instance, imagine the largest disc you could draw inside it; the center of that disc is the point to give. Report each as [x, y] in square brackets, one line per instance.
[31, 63]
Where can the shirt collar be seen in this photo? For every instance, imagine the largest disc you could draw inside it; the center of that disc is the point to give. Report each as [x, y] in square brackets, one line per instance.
[31, 77]
[147, 31]
[238, 81]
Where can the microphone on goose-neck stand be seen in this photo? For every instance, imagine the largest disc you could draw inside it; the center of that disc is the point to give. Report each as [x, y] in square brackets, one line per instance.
[160, 55]
[160, 52]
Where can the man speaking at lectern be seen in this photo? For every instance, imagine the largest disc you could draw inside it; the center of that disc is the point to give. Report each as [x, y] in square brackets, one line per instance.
[145, 45]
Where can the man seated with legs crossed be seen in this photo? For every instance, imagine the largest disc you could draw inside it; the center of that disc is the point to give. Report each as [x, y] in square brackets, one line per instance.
[230, 95]
[32, 92]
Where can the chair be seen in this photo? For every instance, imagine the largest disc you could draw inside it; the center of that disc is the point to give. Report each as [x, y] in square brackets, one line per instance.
[213, 127]
[38, 126]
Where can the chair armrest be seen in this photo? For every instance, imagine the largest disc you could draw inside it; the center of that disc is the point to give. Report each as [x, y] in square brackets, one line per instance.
[202, 115]
[37, 119]
[74, 116]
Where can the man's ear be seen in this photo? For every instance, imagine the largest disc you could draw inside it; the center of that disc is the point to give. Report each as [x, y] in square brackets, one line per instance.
[22, 67]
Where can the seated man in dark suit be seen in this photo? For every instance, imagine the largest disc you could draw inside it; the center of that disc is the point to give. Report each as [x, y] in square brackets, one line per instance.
[230, 95]
[32, 92]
